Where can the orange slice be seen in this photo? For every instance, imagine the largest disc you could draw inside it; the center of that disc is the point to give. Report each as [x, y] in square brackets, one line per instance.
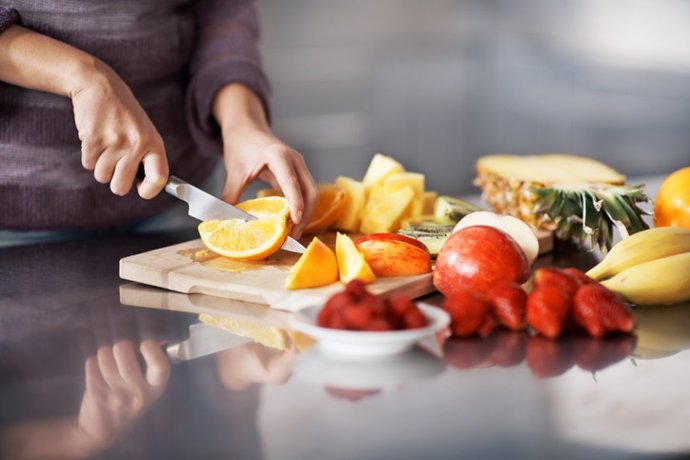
[351, 262]
[328, 209]
[252, 240]
[237, 239]
[316, 267]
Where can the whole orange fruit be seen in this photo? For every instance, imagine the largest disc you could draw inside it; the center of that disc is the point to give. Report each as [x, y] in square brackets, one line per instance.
[672, 205]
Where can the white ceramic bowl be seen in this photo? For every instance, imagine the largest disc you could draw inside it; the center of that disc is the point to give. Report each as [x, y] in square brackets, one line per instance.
[367, 345]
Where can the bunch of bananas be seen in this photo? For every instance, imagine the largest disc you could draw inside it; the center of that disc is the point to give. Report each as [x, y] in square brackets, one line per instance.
[649, 267]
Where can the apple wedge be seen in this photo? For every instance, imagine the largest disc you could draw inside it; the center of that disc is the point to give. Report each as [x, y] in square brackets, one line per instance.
[389, 254]
[516, 228]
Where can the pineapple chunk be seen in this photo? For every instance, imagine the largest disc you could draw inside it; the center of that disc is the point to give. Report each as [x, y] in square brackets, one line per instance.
[396, 181]
[428, 202]
[415, 181]
[384, 211]
[355, 197]
[416, 207]
[381, 166]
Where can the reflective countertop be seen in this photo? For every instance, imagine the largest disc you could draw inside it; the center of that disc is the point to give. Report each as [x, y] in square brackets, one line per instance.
[86, 371]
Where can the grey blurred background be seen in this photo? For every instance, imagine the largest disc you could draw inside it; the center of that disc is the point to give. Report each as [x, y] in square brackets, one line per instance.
[437, 83]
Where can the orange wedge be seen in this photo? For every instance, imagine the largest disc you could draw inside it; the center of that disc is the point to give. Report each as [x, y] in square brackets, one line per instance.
[328, 209]
[351, 263]
[316, 267]
[249, 240]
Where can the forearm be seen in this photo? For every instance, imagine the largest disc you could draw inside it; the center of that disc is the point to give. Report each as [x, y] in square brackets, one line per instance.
[31, 60]
[237, 107]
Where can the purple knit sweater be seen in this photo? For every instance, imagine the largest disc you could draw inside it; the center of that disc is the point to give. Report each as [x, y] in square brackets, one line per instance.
[174, 54]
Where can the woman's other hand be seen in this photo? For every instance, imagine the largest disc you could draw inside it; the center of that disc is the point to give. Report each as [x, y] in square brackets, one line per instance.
[116, 134]
[252, 151]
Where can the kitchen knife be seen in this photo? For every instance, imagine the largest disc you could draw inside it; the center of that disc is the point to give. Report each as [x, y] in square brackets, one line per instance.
[204, 340]
[204, 206]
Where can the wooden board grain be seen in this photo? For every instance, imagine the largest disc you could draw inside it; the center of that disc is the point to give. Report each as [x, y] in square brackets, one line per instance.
[179, 268]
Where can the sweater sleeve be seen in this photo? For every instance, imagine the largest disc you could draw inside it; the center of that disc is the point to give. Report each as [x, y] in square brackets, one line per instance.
[226, 52]
[8, 16]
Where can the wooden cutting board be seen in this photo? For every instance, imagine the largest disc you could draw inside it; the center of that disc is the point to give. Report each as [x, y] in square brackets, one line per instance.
[189, 268]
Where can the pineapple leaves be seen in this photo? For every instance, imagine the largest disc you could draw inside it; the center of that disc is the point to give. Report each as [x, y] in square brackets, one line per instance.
[592, 211]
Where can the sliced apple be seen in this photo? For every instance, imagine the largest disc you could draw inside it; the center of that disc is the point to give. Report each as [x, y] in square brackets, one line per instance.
[516, 228]
[351, 262]
[389, 254]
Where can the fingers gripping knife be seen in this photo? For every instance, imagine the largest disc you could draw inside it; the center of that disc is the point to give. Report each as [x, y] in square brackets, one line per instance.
[204, 206]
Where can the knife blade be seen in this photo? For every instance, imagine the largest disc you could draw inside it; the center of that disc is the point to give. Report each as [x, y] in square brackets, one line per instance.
[204, 340]
[204, 206]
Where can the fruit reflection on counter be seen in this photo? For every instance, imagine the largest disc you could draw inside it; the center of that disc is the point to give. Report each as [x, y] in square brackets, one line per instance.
[578, 198]
[545, 358]
[357, 309]
[648, 268]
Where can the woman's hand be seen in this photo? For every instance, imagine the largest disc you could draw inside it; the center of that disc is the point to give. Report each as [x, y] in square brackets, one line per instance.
[252, 151]
[116, 134]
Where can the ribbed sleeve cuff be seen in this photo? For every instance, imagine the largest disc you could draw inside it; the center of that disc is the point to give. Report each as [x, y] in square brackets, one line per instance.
[8, 16]
[203, 89]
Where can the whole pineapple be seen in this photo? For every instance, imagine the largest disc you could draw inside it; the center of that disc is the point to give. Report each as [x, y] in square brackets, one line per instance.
[576, 197]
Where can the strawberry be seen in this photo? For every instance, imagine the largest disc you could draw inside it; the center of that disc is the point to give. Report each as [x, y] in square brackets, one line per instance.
[336, 322]
[356, 289]
[414, 319]
[579, 275]
[547, 310]
[399, 305]
[548, 358]
[468, 312]
[357, 316]
[551, 276]
[379, 324]
[594, 354]
[598, 310]
[508, 304]
[509, 348]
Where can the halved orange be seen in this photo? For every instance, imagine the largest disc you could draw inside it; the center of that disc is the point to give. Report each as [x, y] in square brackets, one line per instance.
[351, 262]
[269, 206]
[328, 209]
[317, 267]
[249, 240]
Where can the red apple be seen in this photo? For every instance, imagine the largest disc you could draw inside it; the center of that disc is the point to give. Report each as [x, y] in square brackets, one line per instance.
[389, 254]
[479, 257]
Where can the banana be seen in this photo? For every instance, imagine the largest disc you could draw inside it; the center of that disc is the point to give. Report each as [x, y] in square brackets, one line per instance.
[641, 247]
[660, 281]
